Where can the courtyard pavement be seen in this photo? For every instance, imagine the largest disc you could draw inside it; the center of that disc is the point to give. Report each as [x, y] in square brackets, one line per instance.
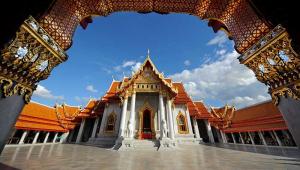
[70, 156]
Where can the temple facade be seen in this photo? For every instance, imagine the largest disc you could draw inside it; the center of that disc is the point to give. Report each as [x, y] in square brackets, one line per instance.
[146, 106]
[149, 110]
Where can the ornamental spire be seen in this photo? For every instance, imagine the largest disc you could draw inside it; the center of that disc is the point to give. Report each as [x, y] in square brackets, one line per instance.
[148, 53]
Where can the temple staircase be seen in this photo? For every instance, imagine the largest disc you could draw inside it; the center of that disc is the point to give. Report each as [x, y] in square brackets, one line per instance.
[139, 145]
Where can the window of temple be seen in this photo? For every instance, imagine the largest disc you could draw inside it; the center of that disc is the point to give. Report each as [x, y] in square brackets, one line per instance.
[110, 124]
[182, 124]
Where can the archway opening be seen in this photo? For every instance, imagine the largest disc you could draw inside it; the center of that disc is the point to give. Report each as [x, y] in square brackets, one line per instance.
[146, 129]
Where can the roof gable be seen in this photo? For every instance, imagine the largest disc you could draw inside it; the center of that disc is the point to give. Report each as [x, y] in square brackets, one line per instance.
[147, 73]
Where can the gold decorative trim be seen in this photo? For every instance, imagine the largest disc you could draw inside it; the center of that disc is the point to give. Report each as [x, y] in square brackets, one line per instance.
[292, 91]
[28, 59]
[65, 119]
[222, 117]
[144, 85]
[275, 63]
[9, 89]
[180, 114]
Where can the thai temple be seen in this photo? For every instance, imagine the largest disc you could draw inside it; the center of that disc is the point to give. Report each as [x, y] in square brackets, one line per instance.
[149, 110]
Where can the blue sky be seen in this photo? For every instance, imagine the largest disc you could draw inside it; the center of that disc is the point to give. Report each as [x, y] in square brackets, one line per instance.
[183, 47]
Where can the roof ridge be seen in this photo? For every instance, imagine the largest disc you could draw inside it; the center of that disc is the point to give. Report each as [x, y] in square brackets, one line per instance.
[256, 104]
[41, 104]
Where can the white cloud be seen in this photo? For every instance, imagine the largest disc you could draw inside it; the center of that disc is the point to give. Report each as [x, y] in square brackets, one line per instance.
[44, 93]
[125, 64]
[136, 66]
[128, 63]
[225, 80]
[187, 62]
[91, 88]
[221, 52]
[219, 39]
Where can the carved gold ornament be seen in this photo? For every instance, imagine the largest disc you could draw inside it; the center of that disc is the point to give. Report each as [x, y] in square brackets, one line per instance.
[275, 64]
[28, 59]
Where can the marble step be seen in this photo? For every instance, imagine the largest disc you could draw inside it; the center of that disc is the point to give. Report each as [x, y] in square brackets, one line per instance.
[145, 144]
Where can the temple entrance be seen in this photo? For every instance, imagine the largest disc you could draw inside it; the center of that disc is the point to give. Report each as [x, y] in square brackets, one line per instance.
[146, 122]
[146, 129]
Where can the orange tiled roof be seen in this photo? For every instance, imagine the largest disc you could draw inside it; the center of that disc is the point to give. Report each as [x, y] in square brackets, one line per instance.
[88, 110]
[181, 97]
[196, 109]
[111, 94]
[193, 110]
[67, 115]
[221, 117]
[35, 116]
[263, 116]
[203, 112]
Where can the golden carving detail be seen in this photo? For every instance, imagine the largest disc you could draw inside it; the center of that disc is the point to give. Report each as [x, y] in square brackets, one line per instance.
[147, 79]
[275, 64]
[182, 123]
[221, 117]
[28, 59]
[110, 123]
[65, 118]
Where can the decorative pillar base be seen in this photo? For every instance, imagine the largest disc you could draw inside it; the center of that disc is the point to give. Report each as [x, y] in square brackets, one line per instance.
[10, 108]
[166, 143]
[290, 109]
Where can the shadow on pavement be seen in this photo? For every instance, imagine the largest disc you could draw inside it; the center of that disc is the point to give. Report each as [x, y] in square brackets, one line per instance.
[6, 167]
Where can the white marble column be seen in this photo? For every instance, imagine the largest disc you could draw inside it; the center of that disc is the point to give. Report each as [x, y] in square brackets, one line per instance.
[46, 137]
[64, 137]
[197, 134]
[262, 138]
[171, 125]
[209, 132]
[123, 117]
[163, 123]
[224, 138]
[251, 138]
[188, 118]
[233, 138]
[36, 137]
[55, 137]
[23, 137]
[95, 127]
[80, 132]
[71, 136]
[277, 138]
[242, 139]
[103, 121]
[131, 123]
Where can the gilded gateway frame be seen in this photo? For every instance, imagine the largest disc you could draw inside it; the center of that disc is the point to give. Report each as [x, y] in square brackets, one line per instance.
[146, 106]
[178, 117]
[110, 121]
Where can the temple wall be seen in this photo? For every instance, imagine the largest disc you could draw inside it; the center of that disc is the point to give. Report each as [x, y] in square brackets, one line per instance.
[112, 107]
[141, 99]
[183, 109]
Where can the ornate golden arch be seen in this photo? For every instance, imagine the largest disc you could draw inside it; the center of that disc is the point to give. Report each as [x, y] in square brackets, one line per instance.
[146, 106]
[181, 117]
[110, 121]
[238, 16]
